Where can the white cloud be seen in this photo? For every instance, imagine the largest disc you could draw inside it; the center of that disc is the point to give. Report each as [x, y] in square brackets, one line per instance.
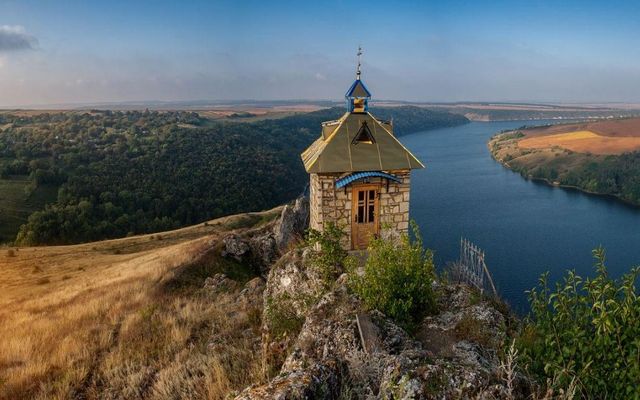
[14, 38]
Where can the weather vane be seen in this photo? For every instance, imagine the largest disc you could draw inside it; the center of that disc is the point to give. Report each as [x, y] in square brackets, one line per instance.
[359, 57]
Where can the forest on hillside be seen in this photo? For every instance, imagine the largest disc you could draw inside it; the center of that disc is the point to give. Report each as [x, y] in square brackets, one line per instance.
[123, 173]
[616, 175]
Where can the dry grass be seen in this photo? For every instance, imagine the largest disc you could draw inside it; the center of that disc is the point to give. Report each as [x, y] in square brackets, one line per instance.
[583, 142]
[123, 318]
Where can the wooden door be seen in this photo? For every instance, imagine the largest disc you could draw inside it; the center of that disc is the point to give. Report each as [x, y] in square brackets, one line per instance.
[365, 215]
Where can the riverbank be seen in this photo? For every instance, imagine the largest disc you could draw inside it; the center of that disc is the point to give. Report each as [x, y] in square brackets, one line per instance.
[567, 187]
[611, 175]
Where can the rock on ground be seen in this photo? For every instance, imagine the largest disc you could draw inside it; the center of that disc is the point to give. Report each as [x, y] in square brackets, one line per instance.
[327, 361]
[261, 247]
[294, 220]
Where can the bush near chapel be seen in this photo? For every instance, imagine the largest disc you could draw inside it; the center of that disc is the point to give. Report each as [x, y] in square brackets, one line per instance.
[398, 277]
[329, 257]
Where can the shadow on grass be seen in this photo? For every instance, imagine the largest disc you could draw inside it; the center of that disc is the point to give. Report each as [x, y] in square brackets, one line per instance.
[191, 276]
[249, 220]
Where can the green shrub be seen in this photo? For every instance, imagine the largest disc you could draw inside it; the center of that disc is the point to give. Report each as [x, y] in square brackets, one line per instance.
[474, 330]
[328, 255]
[281, 317]
[397, 279]
[586, 331]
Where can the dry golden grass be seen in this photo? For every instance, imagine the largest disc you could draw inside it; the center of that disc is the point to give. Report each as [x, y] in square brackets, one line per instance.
[124, 318]
[583, 141]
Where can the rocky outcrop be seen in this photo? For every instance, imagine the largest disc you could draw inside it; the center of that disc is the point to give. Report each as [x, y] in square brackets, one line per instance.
[217, 283]
[313, 347]
[294, 220]
[252, 293]
[261, 247]
[235, 247]
[453, 354]
[293, 282]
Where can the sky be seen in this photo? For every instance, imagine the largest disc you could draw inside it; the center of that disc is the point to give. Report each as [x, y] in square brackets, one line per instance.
[55, 52]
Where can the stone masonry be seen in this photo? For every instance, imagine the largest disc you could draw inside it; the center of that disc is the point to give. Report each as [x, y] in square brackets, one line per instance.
[330, 204]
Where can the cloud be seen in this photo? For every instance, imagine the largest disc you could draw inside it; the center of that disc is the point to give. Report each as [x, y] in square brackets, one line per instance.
[14, 38]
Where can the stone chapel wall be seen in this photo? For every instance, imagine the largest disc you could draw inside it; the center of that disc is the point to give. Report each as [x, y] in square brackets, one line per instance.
[330, 204]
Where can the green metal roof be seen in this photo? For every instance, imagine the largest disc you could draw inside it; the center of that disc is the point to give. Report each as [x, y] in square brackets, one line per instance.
[338, 151]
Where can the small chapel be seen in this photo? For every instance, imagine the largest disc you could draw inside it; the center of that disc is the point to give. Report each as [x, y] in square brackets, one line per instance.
[359, 172]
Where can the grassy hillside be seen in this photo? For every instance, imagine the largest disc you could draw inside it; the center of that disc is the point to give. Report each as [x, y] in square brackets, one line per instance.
[598, 157]
[126, 173]
[127, 318]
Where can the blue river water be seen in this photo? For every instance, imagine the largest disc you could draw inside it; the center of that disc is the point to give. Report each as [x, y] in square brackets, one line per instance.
[524, 227]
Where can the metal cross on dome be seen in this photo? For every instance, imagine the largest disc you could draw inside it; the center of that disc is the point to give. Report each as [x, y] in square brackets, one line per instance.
[359, 58]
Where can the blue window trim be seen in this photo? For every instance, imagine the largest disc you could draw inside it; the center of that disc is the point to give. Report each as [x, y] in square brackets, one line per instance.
[342, 182]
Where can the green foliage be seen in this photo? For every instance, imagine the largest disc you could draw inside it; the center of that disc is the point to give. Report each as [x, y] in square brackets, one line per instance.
[329, 256]
[511, 135]
[617, 175]
[142, 172]
[587, 330]
[474, 330]
[18, 199]
[409, 119]
[397, 279]
[281, 317]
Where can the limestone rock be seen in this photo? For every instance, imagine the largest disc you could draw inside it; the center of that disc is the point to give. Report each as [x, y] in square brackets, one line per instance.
[264, 251]
[293, 222]
[452, 355]
[217, 282]
[262, 246]
[251, 294]
[316, 382]
[235, 247]
[293, 281]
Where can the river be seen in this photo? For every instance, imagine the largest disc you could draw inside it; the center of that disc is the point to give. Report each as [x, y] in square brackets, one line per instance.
[524, 227]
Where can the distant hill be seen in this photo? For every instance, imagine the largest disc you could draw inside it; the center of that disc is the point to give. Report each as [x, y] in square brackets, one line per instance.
[87, 176]
[537, 111]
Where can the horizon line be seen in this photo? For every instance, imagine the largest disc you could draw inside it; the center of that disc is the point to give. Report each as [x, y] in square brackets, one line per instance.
[222, 102]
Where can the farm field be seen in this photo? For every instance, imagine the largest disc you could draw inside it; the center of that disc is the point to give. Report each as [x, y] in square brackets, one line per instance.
[624, 127]
[126, 316]
[583, 142]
